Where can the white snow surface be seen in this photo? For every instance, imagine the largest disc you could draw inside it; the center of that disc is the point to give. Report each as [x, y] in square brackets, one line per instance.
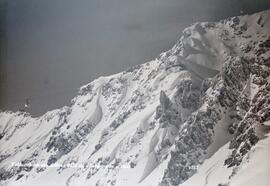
[123, 137]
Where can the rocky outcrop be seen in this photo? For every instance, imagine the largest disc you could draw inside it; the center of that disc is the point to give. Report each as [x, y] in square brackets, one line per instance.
[157, 122]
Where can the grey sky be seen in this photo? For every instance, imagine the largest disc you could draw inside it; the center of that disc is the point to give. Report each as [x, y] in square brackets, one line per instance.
[56, 46]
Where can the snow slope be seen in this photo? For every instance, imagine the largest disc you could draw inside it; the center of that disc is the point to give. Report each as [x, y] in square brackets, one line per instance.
[196, 115]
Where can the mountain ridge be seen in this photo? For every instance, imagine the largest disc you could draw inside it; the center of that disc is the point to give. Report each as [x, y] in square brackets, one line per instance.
[159, 123]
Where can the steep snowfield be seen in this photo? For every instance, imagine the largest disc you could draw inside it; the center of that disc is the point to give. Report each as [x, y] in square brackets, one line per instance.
[198, 115]
[254, 170]
[212, 172]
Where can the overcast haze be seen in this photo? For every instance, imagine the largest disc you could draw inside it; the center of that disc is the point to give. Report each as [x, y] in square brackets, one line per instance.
[55, 46]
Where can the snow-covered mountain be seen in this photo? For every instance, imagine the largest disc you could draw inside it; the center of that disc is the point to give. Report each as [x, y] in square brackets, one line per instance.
[198, 115]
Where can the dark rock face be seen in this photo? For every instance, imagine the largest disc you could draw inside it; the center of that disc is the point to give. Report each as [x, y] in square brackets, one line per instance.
[228, 89]
[24, 167]
[166, 112]
[195, 136]
[206, 88]
[64, 144]
[6, 174]
[190, 146]
[245, 136]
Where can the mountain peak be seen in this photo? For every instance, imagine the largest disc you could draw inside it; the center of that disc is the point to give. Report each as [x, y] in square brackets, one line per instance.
[197, 115]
